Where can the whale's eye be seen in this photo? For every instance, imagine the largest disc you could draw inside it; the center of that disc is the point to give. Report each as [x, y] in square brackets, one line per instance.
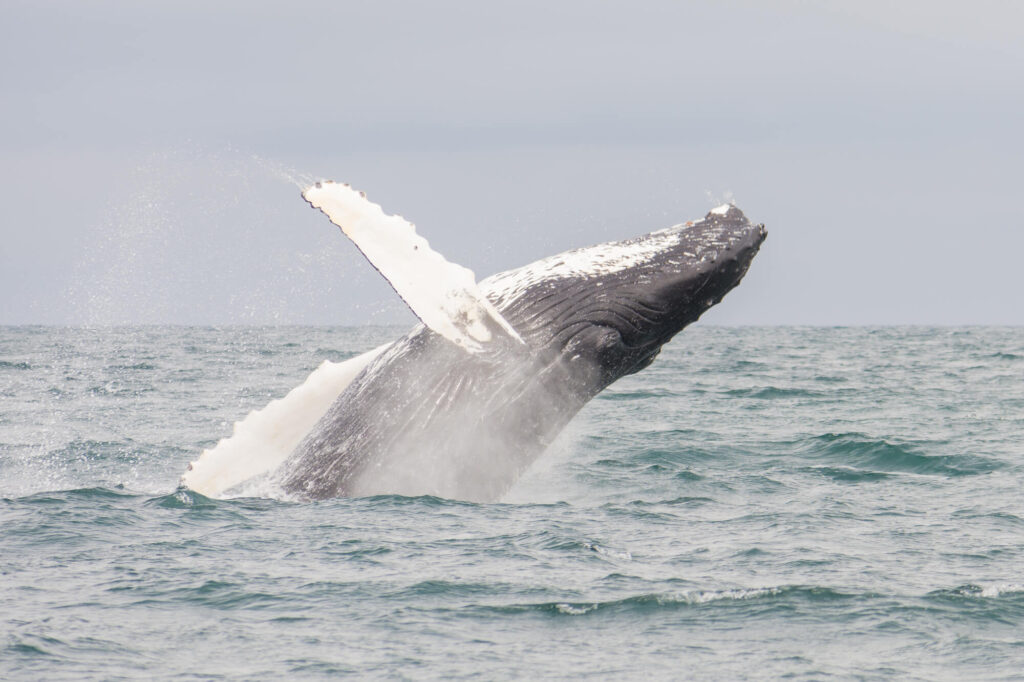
[609, 343]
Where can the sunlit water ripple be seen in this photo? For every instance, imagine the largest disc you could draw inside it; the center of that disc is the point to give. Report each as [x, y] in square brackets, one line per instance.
[760, 502]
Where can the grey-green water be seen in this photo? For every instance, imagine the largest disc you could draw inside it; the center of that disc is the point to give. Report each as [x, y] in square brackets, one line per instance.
[760, 503]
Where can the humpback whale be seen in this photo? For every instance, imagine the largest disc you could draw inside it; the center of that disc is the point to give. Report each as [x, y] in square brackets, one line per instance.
[463, 403]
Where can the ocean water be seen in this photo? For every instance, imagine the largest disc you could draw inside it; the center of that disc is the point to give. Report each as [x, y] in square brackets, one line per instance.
[808, 503]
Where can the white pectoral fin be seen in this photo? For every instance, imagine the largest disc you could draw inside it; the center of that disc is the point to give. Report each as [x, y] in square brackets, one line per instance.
[265, 438]
[442, 294]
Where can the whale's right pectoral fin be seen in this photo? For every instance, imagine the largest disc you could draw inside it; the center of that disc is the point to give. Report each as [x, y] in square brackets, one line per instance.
[444, 295]
[265, 438]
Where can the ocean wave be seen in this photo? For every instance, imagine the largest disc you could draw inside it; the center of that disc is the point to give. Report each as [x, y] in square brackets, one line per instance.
[990, 591]
[1004, 356]
[845, 474]
[116, 389]
[768, 597]
[75, 494]
[35, 647]
[398, 501]
[665, 456]
[861, 452]
[689, 501]
[686, 501]
[216, 594]
[659, 393]
[183, 498]
[775, 392]
[640, 512]
[448, 589]
[620, 554]
[831, 379]
[985, 604]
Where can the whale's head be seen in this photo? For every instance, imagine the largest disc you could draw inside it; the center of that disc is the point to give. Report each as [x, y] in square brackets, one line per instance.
[606, 310]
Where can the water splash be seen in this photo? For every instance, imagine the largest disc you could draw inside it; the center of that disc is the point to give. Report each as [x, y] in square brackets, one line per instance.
[284, 172]
[205, 237]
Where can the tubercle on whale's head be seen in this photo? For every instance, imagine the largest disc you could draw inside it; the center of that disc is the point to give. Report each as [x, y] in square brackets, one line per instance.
[659, 298]
[710, 259]
[608, 309]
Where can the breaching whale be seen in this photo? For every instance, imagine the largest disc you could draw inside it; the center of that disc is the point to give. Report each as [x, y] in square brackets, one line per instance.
[463, 403]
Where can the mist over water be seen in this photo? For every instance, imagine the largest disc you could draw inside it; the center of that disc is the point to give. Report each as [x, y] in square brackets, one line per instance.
[194, 235]
[760, 502]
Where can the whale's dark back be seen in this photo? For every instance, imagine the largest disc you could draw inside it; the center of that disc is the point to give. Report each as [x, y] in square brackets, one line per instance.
[426, 417]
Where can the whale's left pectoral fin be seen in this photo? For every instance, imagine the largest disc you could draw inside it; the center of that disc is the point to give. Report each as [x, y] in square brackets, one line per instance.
[444, 295]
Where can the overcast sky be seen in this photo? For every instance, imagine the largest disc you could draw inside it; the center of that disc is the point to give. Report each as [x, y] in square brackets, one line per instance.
[149, 150]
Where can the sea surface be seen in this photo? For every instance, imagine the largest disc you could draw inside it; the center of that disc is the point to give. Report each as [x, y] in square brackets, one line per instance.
[760, 503]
